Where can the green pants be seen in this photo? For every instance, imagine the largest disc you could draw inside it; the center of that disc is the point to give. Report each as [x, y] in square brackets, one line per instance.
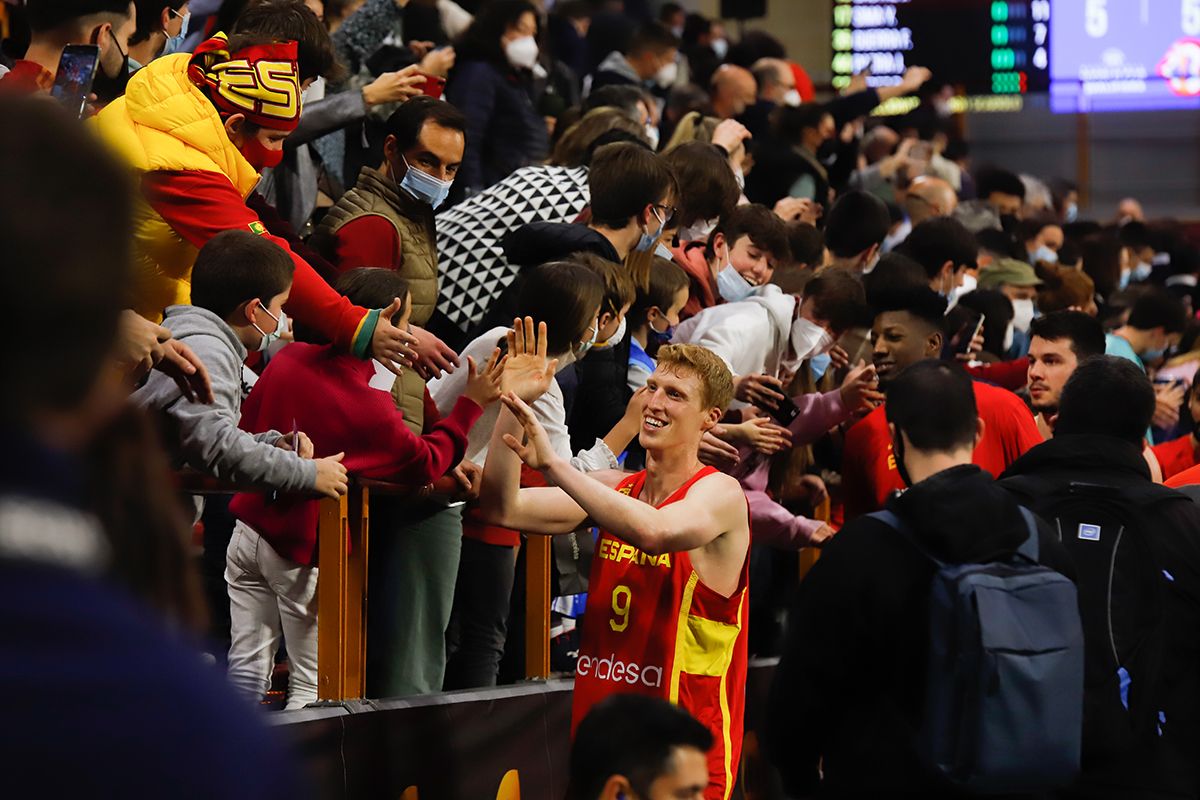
[413, 566]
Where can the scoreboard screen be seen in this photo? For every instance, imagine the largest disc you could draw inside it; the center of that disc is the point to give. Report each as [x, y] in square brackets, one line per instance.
[1125, 55]
[985, 47]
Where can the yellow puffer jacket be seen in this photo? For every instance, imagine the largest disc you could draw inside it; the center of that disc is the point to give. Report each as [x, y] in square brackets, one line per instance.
[165, 123]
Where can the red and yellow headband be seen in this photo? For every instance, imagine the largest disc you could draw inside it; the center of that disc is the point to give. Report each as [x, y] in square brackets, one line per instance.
[261, 81]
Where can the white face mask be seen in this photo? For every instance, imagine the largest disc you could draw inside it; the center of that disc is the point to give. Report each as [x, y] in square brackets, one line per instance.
[1009, 335]
[613, 340]
[968, 285]
[269, 339]
[809, 339]
[1045, 254]
[665, 77]
[870, 265]
[522, 53]
[792, 98]
[1022, 314]
[698, 231]
[720, 48]
[314, 92]
[652, 135]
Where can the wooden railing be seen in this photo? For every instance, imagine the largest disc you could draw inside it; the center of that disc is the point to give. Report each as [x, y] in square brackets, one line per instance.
[343, 547]
[344, 534]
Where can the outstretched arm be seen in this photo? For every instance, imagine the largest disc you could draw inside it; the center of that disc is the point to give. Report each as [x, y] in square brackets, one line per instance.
[695, 521]
[545, 510]
[528, 373]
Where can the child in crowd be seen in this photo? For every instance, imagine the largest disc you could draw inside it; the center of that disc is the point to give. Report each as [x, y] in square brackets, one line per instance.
[240, 283]
[653, 317]
[596, 398]
[567, 297]
[270, 567]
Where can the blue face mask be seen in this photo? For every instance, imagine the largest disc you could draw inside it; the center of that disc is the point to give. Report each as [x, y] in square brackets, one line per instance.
[1151, 356]
[818, 365]
[424, 186]
[662, 251]
[1072, 213]
[732, 286]
[175, 43]
[648, 239]
[659, 338]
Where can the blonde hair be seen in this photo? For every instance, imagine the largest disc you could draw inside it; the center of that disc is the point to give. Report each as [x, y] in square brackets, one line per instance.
[694, 127]
[705, 365]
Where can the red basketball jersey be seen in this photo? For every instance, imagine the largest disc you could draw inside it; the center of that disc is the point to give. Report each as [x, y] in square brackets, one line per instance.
[651, 627]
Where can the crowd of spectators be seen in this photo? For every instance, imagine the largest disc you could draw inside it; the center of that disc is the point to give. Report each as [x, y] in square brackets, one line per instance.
[285, 248]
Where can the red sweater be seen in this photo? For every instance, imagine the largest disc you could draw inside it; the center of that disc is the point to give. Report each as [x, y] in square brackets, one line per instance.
[1012, 375]
[1176, 455]
[325, 393]
[869, 474]
[702, 292]
[199, 205]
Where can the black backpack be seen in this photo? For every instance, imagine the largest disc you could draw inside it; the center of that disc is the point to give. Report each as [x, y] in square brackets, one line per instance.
[1122, 596]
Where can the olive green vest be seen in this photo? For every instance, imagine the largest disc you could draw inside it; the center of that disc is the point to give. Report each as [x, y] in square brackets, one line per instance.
[376, 194]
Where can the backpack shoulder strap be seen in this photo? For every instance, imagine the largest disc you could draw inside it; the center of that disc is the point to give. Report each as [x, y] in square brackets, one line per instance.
[894, 522]
[1029, 548]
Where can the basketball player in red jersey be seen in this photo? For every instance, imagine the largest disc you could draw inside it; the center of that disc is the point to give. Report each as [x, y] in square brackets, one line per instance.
[667, 599]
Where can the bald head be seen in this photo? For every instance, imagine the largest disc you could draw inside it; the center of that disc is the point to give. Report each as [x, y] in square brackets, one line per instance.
[774, 78]
[733, 89]
[928, 197]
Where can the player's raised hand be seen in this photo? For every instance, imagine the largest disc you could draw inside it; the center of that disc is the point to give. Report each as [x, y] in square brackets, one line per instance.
[536, 451]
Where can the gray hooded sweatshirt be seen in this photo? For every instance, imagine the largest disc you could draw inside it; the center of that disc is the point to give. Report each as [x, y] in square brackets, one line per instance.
[208, 437]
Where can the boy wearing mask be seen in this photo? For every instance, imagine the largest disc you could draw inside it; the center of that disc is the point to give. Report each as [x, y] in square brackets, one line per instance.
[270, 565]
[239, 285]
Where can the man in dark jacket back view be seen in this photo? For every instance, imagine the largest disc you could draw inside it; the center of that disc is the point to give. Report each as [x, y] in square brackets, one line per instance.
[847, 697]
[1105, 408]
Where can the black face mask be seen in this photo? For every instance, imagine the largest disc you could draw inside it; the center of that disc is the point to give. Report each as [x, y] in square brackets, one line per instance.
[106, 87]
[1008, 222]
[898, 454]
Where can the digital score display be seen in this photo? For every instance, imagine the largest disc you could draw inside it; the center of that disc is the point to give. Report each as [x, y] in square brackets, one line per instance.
[982, 47]
[1125, 55]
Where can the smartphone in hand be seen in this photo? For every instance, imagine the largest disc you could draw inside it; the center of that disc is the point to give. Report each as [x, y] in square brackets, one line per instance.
[433, 86]
[785, 411]
[76, 71]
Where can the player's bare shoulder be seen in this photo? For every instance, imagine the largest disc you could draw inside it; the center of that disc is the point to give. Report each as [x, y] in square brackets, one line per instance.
[724, 495]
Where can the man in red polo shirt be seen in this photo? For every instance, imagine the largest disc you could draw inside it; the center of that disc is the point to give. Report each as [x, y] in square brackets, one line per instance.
[908, 329]
[54, 24]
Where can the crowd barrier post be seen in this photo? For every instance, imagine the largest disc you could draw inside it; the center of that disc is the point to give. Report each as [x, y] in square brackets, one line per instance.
[333, 537]
[810, 555]
[537, 607]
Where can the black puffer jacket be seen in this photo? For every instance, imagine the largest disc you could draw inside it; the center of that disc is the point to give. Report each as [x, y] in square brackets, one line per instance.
[850, 684]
